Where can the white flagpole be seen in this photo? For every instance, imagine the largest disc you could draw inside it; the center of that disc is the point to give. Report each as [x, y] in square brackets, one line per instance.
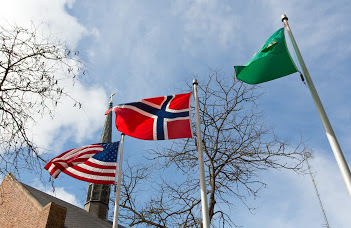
[118, 193]
[204, 203]
[340, 159]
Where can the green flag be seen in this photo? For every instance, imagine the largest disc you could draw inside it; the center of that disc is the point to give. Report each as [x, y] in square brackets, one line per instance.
[272, 61]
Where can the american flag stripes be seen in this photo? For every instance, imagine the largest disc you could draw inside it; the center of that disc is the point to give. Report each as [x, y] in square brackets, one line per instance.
[95, 163]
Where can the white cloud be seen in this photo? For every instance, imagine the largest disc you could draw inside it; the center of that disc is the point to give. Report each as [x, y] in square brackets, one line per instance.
[316, 26]
[71, 123]
[52, 14]
[206, 22]
[141, 46]
[65, 196]
[60, 193]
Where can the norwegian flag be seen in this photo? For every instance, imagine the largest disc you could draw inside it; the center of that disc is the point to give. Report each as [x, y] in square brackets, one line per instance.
[157, 118]
[95, 163]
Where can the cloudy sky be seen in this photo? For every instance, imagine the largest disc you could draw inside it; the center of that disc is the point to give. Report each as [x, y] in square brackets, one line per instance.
[141, 49]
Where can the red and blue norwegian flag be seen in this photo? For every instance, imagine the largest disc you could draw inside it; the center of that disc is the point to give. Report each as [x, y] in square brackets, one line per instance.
[95, 163]
[157, 118]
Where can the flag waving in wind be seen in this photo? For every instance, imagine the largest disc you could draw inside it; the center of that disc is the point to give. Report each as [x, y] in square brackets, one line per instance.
[272, 61]
[95, 163]
[157, 118]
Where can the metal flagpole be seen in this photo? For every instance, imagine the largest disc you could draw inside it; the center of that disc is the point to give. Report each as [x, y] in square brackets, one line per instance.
[204, 203]
[340, 159]
[118, 193]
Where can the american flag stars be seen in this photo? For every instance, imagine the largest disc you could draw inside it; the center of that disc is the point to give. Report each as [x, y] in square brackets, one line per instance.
[109, 154]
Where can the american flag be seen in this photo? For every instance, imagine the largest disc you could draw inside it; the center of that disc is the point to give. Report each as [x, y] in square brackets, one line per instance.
[157, 118]
[95, 163]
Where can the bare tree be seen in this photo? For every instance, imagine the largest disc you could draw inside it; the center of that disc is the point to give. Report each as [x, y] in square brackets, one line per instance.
[32, 68]
[238, 148]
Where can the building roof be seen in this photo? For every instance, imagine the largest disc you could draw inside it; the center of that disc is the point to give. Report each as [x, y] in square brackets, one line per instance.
[76, 217]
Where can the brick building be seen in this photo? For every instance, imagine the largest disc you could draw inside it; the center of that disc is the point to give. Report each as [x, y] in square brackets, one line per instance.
[24, 206]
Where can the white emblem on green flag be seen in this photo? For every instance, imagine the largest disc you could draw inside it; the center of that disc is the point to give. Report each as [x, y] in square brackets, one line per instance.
[272, 61]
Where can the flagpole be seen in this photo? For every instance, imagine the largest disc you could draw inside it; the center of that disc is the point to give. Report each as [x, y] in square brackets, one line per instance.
[340, 159]
[204, 203]
[118, 193]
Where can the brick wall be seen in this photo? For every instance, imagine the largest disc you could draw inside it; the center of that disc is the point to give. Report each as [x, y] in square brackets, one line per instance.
[52, 216]
[18, 208]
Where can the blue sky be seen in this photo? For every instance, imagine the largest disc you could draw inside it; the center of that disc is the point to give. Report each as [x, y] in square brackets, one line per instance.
[141, 49]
